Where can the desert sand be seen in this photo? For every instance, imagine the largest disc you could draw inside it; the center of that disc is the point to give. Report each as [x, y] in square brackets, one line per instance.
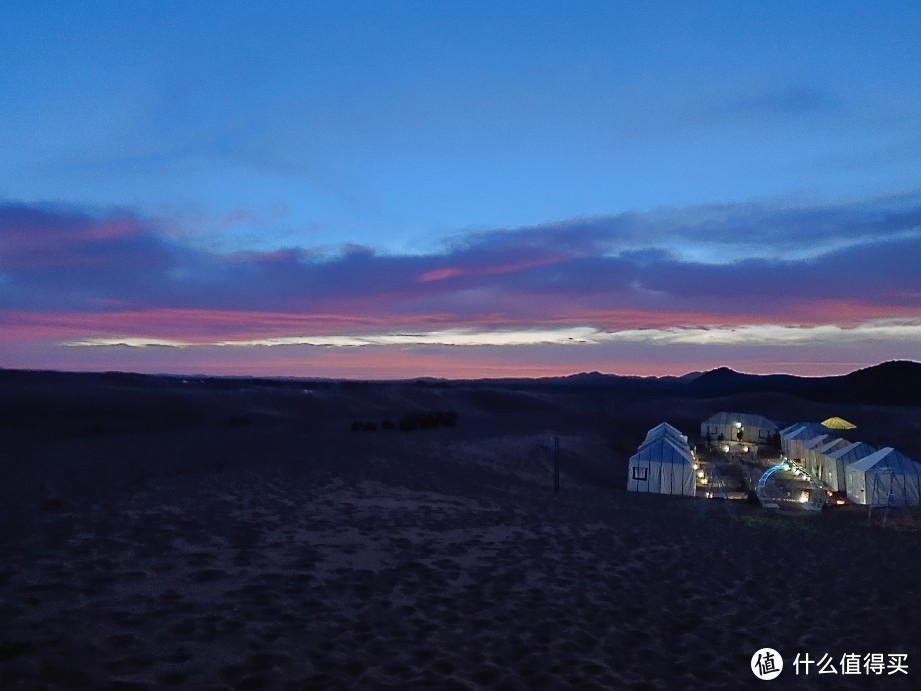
[204, 535]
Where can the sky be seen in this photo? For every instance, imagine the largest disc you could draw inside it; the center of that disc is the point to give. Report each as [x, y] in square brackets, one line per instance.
[459, 189]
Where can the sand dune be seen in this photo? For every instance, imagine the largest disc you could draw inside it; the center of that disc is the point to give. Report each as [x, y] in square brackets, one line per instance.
[288, 552]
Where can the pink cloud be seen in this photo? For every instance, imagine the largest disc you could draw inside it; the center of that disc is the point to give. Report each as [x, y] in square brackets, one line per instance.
[440, 274]
[514, 266]
[197, 325]
[110, 230]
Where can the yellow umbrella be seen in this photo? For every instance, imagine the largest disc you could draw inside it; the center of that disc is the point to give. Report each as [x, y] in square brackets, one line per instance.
[838, 423]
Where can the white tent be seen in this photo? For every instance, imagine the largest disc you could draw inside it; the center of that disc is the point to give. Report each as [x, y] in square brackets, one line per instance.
[755, 429]
[667, 430]
[809, 452]
[817, 457]
[662, 466]
[835, 462]
[801, 446]
[884, 478]
[791, 438]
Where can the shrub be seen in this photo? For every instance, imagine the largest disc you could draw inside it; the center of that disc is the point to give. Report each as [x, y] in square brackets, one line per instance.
[408, 423]
[429, 420]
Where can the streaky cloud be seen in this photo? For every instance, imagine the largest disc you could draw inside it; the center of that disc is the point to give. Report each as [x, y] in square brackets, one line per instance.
[716, 334]
[789, 100]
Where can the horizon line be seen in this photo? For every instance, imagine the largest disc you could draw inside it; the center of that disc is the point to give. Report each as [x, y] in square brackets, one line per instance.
[421, 378]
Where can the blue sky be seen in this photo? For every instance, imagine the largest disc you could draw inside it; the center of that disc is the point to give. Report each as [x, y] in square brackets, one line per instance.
[428, 130]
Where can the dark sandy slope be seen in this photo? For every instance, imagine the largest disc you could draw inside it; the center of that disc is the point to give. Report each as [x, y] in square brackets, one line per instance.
[240, 535]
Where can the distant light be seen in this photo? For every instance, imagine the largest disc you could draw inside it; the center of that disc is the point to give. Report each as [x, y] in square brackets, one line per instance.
[738, 425]
[803, 497]
[745, 449]
[700, 474]
[725, 449]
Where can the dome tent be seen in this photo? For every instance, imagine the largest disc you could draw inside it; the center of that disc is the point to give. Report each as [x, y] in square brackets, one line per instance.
[788, 487]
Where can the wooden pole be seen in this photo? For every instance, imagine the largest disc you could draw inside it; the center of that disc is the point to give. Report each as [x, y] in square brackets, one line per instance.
[556, 464]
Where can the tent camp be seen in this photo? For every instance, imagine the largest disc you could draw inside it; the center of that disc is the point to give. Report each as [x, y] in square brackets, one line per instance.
[755, 429]
[884, 478]
[835, 462]
[662, 466]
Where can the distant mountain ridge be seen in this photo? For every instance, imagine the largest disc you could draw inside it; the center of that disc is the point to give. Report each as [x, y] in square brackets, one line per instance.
[896, 382]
